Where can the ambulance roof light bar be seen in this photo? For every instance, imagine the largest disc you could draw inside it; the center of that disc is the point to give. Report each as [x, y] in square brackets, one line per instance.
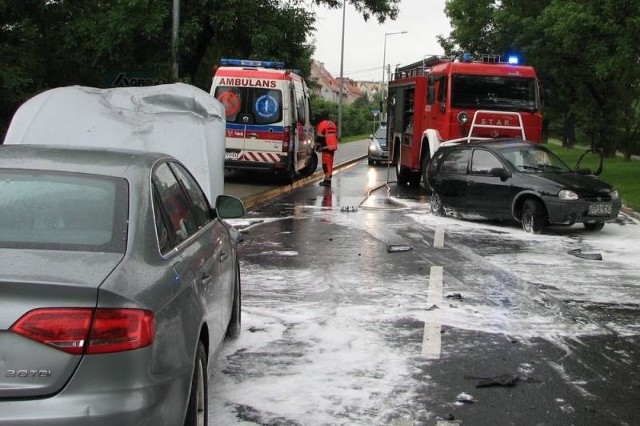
[251, 63]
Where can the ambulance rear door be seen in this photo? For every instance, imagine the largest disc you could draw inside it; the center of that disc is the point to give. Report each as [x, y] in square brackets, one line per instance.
[254, 116]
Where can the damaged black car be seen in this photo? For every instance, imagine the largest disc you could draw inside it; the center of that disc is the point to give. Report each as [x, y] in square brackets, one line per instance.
[512, 179]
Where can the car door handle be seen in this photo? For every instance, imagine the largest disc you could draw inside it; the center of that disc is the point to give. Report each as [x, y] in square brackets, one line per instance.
[253, 135]
[177, 269]
[222, 257]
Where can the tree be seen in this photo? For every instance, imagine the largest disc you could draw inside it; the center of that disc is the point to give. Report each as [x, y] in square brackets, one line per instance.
[586, 53]
[50, 43]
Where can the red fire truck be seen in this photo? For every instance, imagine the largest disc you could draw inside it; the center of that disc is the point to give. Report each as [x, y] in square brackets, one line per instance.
[439, 101]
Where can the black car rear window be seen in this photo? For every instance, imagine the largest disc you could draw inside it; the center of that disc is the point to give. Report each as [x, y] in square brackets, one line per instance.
[62, 211]
[456, 161]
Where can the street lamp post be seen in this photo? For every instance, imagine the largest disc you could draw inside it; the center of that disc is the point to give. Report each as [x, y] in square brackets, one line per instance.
[341, 74]
[174, 38]
[384, 63]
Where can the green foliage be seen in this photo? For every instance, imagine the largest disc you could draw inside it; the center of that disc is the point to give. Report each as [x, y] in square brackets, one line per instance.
[51, 43]
[623, 175]
[585, 51]
[357, 118]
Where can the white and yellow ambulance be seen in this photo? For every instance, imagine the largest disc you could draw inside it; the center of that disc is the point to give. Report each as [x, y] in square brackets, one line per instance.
[268, 118]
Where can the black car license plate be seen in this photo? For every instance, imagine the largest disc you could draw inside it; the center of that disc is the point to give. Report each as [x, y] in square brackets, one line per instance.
[599, 209]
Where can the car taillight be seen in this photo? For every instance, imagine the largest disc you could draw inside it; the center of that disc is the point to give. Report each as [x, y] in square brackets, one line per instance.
[91, 331]
[286, 137]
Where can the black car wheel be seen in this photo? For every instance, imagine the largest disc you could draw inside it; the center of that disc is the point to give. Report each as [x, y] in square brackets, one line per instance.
[594, 226]
[233, 328]
[197, 410]
[436, 204]
[534, 216]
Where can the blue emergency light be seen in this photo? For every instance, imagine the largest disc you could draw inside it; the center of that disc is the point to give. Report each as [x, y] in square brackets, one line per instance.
[513, 60]
[251, 63]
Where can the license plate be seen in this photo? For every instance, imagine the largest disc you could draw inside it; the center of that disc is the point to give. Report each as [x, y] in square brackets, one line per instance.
[599, 209]
[230, 155]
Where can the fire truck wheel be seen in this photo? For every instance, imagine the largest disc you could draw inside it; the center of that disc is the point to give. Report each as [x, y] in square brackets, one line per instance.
[424, 166]
[436, 205]
[534, 216]
[414, 179]
[402, 174]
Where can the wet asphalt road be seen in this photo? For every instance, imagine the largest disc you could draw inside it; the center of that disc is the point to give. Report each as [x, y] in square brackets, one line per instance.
[360, 308]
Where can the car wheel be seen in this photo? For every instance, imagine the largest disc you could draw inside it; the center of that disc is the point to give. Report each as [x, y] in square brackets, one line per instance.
[371, 162]
[594, 226]
[197, 410]
[436, 204]
[235, 322]
[534, 216]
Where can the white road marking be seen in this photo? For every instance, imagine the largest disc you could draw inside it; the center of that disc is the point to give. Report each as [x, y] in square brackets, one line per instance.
[438, 239]
[431, 339]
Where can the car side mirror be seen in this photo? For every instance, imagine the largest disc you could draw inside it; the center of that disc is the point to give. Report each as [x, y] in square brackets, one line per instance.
[499, 172]
[229, 207]
[370, 136]
[585, 171]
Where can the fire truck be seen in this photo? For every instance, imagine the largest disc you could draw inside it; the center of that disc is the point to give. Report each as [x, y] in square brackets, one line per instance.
[442, 101]
[268, 118]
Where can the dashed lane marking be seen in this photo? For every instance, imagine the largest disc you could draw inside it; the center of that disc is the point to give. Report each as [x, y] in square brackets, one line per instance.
[438, 239]
[431, 339]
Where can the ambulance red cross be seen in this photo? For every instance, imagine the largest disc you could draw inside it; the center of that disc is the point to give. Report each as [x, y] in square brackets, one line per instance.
[268, 118]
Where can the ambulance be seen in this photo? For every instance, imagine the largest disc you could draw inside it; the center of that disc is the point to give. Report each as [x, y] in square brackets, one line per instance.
[268, 118]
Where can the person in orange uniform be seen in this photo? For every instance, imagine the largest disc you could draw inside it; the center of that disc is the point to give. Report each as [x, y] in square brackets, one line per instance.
[327, 143]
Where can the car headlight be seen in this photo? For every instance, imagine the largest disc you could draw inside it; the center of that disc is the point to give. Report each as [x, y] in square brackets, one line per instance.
[566, 194]
[614, 195]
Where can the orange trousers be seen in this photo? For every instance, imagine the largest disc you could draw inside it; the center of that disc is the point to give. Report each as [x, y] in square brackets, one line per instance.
[327, 164]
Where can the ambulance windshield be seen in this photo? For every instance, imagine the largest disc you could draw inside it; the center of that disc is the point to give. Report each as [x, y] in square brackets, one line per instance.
[250, 105]
[494, 93]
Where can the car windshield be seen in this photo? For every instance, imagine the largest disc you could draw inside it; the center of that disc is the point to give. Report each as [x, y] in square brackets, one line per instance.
[534, 159]
[62, 211]
[381, 133]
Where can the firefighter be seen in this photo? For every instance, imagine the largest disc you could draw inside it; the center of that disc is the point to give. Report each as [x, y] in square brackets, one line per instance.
[327, 143]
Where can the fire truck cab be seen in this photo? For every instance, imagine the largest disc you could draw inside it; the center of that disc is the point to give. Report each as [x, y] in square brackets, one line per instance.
[438, 101]
[268, 118]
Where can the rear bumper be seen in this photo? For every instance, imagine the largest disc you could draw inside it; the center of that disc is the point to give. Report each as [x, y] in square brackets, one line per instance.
[254, 165]
[106, 392]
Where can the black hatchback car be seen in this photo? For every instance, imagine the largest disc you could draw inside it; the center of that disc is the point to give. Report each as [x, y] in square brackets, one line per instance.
[511, 179]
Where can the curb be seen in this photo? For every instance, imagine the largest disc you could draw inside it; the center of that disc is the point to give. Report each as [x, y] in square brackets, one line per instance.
[253, 200]
[629, 212]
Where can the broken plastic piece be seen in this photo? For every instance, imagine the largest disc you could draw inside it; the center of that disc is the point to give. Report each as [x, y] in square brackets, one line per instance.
[393, 248]
[349, 209]
[501, 380]
[454, 296]
[591, 256]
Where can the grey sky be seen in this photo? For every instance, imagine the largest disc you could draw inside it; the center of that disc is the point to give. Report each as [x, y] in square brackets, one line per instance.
[364, 41]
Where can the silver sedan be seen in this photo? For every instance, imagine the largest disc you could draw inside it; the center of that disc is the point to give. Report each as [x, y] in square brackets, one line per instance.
[118, 284]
